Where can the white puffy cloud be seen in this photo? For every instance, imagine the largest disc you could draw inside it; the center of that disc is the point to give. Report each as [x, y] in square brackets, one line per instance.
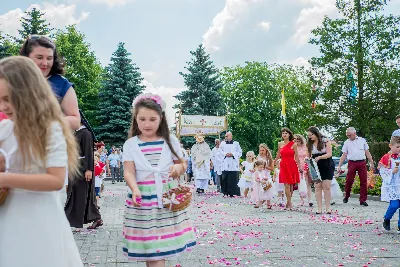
[167, 94]
[58, 16]
[310, 17]
[150, 76]
[111, 3]
[301, 62]
[232, 10]
[265, 25]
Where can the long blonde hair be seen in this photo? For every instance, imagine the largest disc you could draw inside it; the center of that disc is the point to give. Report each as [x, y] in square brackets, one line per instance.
[269, 153]
[36, 108]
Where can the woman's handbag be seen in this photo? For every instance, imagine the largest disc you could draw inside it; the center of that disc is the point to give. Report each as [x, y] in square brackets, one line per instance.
[313, 171]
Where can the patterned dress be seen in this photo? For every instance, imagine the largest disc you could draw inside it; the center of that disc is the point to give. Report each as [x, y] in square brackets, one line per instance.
[151, 233]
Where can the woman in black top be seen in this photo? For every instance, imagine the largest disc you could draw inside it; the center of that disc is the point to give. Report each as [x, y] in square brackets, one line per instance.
[320, 149]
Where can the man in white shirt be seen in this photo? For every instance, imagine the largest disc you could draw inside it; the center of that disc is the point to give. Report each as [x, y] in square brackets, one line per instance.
[229, 153]
[217, 164]
[355, 149]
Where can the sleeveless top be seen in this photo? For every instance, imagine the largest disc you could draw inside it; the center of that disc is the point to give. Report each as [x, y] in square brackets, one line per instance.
[60, 86]
[323, 151]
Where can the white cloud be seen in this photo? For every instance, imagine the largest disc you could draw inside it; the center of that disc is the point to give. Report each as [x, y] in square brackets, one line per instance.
[111, 3]
[301, 62]
[167, 94]
[150, 76]
[310, 17]
[265, 25]
[232, 10]
[58, 16]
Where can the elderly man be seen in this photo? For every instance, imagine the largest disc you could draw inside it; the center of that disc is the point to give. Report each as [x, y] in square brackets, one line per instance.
[217, 163]
[229, 153]
[355, 149]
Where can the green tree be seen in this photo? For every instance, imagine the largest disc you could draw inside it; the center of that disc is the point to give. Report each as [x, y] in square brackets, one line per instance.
[360, 48]
[121, 84]
[203, 82]
[253, 95]
[253, 104]
[82, 69]
[33, 23]
[4, 48]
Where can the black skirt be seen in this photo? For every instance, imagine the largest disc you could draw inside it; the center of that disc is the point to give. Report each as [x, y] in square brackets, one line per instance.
[326, 167]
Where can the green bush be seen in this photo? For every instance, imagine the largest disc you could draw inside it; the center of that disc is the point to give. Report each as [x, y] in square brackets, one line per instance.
[376, 191]
[378, 149]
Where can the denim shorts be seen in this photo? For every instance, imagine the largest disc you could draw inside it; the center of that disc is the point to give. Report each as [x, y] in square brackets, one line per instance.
[97, 191]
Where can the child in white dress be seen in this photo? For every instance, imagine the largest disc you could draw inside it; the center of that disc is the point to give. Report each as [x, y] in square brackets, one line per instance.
[245, 181]
[263, 189]
[279, 188]
[38, 147]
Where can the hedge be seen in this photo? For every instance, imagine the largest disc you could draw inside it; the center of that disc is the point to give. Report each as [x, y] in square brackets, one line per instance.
[376, 191]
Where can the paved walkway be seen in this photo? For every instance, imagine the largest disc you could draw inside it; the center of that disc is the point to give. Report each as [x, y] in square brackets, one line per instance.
[233, 233]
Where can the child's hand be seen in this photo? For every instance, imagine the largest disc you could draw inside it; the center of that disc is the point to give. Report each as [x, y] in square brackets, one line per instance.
[395, 170]
[175, 170]
[136, 197]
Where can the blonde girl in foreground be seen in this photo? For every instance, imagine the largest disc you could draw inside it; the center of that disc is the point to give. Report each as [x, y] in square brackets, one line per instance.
[33, 228]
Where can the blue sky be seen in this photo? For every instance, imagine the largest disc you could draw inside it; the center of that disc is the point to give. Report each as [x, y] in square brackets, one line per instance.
[160, 33]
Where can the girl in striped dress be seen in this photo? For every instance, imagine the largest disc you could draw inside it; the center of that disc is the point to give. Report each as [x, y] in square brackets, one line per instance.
[152, 161]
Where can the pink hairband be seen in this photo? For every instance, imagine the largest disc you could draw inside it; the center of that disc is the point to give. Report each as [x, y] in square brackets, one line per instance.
[155, 98]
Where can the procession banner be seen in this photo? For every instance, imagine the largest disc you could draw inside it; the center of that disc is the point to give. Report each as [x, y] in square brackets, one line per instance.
[209, 125]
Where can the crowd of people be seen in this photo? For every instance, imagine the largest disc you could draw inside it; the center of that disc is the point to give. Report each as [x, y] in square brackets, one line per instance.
[300, 164]
[44, 138]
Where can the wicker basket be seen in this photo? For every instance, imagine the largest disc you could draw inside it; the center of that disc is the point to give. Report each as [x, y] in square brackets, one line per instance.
[3, 195]
[267, 186]
[178, 198]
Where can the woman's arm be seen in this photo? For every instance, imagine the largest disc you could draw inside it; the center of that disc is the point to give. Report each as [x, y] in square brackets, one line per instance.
[270, 166]
[296, 155]
[278, 153]
[69, 105]
[52, 180]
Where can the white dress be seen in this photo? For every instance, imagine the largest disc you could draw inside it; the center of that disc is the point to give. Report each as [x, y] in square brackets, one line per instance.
[277, 185]
[258, 193]
[246, 181]
[34, 230]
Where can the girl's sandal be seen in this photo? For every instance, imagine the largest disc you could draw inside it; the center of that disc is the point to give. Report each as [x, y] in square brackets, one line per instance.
[269, 207]
[319, 212]
[256, 206]
[96, 224]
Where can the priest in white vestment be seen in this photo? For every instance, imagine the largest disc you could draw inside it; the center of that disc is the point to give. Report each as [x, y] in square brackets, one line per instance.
[201, 156]
[229, 153]
[217, 163]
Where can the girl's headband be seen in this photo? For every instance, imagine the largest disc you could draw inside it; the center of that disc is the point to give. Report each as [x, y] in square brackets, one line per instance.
[155, 98]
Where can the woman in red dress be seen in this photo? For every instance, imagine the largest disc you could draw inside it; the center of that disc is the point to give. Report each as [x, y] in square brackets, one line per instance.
[289, 170]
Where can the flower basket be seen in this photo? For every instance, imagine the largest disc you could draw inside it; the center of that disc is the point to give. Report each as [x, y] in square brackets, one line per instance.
[3, 195]
[178, 198]
[267, 186]
[3, 191]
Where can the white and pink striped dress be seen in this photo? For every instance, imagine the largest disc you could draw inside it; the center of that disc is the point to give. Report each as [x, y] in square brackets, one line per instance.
[152, 233]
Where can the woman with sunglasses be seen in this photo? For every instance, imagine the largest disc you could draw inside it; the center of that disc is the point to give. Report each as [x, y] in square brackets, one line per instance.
[43, 52]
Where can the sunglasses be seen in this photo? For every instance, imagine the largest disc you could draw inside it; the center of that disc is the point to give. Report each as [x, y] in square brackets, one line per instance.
[35, 37]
